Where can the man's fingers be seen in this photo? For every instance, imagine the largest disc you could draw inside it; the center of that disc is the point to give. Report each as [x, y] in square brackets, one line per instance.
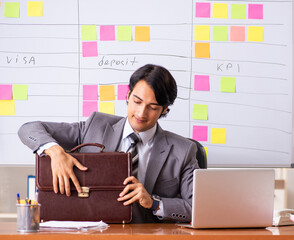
[79, 165]
[75, 182]
[55, 184]
[67, 186]
[61, 184]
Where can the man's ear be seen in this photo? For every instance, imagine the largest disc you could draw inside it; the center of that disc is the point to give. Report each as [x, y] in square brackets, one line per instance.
[165, 111]
[128, 96]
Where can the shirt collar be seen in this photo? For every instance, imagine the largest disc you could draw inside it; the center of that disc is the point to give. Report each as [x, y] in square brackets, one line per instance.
[145, 136]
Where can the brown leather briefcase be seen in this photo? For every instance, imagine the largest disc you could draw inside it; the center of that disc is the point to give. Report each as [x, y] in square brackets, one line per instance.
[101, 184]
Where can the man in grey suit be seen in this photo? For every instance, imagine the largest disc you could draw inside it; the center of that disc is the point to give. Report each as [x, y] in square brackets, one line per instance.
[162, 189]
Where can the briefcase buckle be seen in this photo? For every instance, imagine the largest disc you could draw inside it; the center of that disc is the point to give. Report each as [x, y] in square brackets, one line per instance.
[85, 192]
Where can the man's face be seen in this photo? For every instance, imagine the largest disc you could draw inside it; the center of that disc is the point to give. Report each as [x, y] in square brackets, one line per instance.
[143, 109]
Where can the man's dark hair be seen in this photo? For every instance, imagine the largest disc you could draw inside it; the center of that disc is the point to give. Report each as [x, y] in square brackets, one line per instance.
[160, 80]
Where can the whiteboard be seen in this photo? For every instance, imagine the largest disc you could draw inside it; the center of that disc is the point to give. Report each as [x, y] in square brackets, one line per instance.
[249, 73]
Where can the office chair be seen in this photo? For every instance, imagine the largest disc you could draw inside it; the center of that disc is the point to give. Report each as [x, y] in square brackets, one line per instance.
[200, 154]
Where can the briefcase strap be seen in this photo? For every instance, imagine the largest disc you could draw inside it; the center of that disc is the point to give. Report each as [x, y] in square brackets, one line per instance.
[88, 144]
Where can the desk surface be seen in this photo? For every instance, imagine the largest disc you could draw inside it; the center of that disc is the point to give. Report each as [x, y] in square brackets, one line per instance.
[150, 231]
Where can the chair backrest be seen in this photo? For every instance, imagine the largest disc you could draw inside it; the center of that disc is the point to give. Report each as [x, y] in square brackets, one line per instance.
[200, 154]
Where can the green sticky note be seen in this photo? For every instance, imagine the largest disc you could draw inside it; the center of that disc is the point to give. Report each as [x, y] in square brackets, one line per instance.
[89, 32]
[218, 135]
[200, 112]
[124, 33]
[238, 11]
[228, 84]
[20, 92]
[11, 9]
[220, 33]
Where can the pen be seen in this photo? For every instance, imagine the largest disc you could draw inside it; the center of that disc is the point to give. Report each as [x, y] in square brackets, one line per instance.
[17, 198]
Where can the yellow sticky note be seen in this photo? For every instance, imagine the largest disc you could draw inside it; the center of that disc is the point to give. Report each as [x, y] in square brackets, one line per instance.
[106, 107]
[201, 33]
[124, 33]
[11, 9]
[35, 8]
[202, 50]
[218, 135]
[107, 93]
[7, 107]
[20, 92]
[255, 34]
[228, 84]
[220, 10]
[142, 34]
[89, 32]
[205, 148]
[200, 112]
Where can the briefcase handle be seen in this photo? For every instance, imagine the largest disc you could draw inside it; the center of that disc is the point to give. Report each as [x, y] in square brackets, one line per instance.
[88, 144]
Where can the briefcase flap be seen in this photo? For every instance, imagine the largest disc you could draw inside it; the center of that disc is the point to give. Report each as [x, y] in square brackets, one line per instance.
[106, 171]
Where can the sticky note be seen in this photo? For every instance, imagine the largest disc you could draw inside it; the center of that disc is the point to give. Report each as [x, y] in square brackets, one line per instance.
[106, 107]
[238, 11]
[218, 135]
[201, 33]
[11, 9]
[200, 112]
[107, 93]
[142, 33]
[122, 92]
[107, 33]
[255, 34]
[90, 49]
[237, 34]
[124, 33]
[89, 107]
[228, 84]
[255, 11]
[220, 10]
[201, 83]
[90, 92]
[89, 32]
[200, 133]
[35, 8]
[5, 92]
[220, 33]
[202, 50]
[7, 107]
[202, 10]
[20, 92]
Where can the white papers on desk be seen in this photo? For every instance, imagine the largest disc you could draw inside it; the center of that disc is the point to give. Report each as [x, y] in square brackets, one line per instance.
[74, 225]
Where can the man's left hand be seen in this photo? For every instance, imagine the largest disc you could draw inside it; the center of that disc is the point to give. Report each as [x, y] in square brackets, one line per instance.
[135, 191]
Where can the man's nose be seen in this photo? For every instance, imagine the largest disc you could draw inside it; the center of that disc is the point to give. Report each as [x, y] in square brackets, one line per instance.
[142, 111]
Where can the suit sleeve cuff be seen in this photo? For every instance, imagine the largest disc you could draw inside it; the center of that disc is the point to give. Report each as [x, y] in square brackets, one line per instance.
[159, 213]
[44, 147]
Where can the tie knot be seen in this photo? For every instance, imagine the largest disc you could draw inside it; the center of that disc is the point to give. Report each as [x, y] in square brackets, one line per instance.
[134, 138]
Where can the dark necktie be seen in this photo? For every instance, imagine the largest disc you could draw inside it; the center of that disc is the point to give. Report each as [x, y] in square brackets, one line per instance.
[133, 150]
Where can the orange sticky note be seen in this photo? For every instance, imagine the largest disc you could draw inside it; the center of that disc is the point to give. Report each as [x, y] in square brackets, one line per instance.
[142, 34]
[202, 50]
[107, 93]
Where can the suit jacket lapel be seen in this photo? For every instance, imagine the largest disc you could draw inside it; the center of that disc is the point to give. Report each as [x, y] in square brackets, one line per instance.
[159, 154]
[112, 135]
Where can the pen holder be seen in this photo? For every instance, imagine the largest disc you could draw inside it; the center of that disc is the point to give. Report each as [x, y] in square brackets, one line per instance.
[28, 217]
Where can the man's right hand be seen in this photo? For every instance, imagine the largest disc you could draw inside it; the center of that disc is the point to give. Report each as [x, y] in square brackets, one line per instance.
[62, 169]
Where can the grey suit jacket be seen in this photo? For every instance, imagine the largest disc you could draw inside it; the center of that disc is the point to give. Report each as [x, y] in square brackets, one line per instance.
[169, 173]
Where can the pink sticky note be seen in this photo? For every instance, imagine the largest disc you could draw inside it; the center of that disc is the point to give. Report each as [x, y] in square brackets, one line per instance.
[5, 92]
[203, 10]
[255, 11]
[237, 34]
[201, 83]
[89, 107]
[90, 49]
[122, 91]
[107, 33]
[200, 133]
[90, 92]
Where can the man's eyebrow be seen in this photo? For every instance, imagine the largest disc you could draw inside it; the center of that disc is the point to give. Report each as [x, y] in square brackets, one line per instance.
[143, 101]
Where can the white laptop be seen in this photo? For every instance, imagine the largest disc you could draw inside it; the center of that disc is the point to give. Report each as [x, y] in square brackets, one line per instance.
[232, 198]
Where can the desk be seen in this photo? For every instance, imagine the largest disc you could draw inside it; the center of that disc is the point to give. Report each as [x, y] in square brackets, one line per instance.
[149, 231]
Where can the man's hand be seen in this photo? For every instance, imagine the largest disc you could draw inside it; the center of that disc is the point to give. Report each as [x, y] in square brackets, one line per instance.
[62, 169]
[135, 191]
